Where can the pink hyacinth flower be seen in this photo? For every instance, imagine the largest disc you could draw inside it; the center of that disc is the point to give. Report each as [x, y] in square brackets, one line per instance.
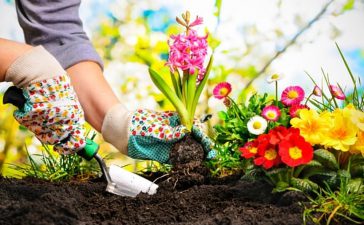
[292, 95]
[222, 90]
[187, 52]
[196, 22]
[294, 110]
[271, 113]
[317, 91]
[337, 92]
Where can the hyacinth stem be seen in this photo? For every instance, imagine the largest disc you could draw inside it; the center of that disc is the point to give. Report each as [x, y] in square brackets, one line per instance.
[172, 97]
[191, 90]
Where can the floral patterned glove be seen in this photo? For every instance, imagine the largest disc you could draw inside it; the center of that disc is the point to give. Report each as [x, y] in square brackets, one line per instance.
[51, 109]
[152, 135]
[53, 113]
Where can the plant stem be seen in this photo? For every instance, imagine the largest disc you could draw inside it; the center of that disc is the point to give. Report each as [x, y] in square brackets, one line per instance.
[308, 98]
[276, 93]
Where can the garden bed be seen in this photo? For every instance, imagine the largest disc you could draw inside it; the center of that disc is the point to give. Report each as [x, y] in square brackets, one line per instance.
[230, 201]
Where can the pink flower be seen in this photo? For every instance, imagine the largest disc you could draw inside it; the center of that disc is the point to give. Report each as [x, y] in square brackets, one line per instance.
[198, 21]
[292, 95]
[337, 92]
[271, 113]
[294, 110]
[222, 90]
[317, 91]
[188, 53]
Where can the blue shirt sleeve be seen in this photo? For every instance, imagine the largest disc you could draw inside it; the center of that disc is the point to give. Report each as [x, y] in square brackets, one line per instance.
[57, 26]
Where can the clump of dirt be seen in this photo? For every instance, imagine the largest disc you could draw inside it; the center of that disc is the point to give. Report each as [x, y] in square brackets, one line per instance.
[186, 158]
[187, 153]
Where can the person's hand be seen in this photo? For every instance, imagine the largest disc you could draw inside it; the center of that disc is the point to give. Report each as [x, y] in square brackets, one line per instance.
[50, 108]
[152, 135]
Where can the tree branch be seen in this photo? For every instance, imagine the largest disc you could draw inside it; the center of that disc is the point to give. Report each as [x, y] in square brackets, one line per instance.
[290, 43]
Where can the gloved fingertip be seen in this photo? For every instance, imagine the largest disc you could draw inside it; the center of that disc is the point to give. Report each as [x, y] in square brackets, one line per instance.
[211, 154]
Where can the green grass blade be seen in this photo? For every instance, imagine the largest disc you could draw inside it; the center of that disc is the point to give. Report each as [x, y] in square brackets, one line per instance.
[348, 69]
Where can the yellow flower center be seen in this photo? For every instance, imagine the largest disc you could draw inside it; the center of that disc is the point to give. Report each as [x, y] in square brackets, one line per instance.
[257, 125]
[295, 153]
[270, 154]
[224, 91]
[275, 76]
[292, 94]
[253, 150]
[340, 134]
[271, 115]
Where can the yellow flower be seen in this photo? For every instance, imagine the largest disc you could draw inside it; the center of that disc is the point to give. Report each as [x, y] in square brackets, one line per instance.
[342, 133]
[312, 126]
[357, 117]
[359, 144]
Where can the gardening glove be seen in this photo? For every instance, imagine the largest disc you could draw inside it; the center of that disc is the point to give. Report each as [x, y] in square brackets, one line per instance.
[146, 134]
[50, 108]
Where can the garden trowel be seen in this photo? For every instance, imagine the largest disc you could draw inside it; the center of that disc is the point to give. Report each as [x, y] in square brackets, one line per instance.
[119, 180]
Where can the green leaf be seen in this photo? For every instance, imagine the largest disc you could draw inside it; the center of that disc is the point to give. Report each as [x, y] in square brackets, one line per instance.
[177, 88]
[201, 86]
[222, 115]
[304, 185]
[281, 186]
[356, 185]
[191, 91]
[348, 5]
[164, 88]
[357, 170]
[326, 158]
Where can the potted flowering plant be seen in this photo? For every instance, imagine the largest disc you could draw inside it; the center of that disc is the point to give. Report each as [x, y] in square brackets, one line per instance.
[292, 144]
[188, 73]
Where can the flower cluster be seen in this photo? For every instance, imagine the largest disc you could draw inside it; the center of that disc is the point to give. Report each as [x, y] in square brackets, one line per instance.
[188, 50]
[291, 144]
[280, 145]
[286, 130]
[341, 129]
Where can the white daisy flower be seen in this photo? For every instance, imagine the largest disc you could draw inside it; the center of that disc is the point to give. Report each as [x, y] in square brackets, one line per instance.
[257, 125]
[273, 78]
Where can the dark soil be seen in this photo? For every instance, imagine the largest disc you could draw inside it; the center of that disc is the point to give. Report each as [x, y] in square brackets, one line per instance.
[187, 196]
[230, 201]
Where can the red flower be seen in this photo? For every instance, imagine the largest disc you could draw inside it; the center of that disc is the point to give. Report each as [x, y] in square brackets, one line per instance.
[295, 151]
[267, 158]
[281, 133]
[249, 150]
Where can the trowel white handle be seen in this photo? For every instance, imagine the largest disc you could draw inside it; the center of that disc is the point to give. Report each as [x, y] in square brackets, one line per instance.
[132, 181]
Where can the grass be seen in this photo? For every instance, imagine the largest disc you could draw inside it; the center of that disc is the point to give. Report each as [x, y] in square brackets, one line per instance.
[52, 166]
[330, 206]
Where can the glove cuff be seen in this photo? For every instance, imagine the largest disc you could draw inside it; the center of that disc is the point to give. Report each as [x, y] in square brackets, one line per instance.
[35, 65]
[115, 127]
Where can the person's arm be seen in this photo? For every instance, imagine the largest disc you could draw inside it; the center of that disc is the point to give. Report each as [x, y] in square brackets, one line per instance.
[57, 26]
[9, 52]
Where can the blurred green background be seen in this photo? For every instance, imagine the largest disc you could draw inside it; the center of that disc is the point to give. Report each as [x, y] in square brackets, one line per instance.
[251, 39]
